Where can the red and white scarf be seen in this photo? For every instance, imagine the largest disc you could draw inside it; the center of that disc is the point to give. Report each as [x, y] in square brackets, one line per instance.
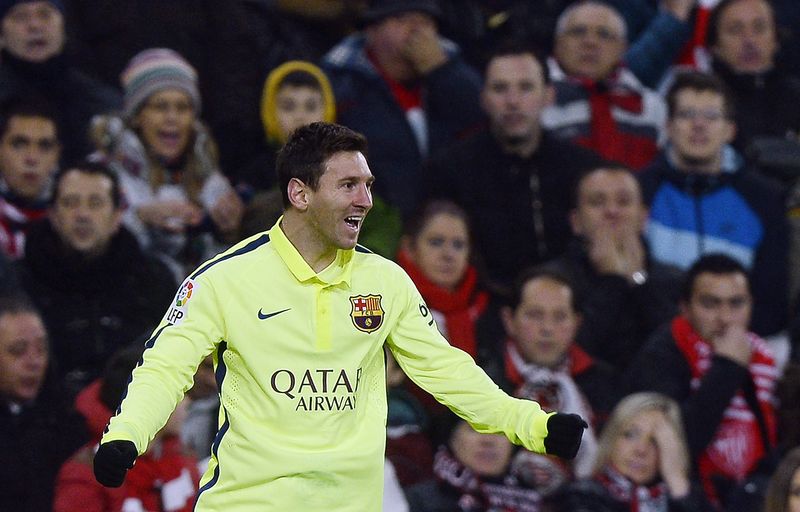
[477, 494]
[640, 498]
[738, 445]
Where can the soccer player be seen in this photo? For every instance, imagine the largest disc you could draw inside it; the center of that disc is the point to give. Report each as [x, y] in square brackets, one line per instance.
[296, 319]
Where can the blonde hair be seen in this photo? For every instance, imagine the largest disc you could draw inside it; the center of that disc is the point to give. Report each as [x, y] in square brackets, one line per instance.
[625, 411]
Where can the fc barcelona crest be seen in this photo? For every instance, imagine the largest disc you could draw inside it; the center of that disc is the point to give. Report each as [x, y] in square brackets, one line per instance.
[367, 313]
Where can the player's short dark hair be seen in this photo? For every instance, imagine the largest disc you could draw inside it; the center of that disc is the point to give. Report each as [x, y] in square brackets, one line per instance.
[90, 167]
[713, 263]
[304, 155]
[28, 106]
[699, 82]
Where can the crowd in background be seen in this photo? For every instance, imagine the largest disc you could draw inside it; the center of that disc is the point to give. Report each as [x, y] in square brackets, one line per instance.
[598, 200]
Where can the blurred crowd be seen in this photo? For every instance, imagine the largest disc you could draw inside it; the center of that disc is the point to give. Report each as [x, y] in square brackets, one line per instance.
[598, 200]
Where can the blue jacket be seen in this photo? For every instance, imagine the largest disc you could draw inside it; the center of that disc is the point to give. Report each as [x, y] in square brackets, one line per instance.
[365, 103]
[738, 212]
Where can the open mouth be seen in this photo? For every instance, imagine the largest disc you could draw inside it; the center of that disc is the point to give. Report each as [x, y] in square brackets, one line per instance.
[353, 221]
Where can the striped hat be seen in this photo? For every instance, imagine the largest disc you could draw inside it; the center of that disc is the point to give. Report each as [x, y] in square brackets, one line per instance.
[154, 70]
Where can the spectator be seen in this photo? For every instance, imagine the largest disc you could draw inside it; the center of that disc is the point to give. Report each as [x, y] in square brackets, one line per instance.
[703, 198]
[722, 375]
[743, 39]
[33, 62]
[542, 362]
[408, 443]
[437, 253]
[512, 179]
[98, 291]
[76, 488]
[297, 93]
[783, 494]
[642, 465]
[626, 293]
[599, 103]
[167, 161]
[38, 431]
[406, 89]
[473, 472]
[29, 151]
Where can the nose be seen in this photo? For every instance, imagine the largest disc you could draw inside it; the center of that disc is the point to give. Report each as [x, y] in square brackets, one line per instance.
[364, 197]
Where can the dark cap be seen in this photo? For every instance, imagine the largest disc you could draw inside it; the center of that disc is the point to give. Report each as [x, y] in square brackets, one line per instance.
[380, 9]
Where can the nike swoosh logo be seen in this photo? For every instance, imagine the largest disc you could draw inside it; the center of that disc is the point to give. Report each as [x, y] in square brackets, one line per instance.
[262, 316]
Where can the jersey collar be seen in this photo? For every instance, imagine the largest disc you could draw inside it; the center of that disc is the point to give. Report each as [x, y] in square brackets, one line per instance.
[339, 271]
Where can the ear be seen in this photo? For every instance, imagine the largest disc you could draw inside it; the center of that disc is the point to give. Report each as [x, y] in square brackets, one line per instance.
[117, 219]
[574, 223]
[549, 94]
[407, 245]
[507, 316]
[298, 194]
[730, 129]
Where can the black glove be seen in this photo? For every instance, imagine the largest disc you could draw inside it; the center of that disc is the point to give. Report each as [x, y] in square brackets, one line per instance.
[564, 432]
[112, 460]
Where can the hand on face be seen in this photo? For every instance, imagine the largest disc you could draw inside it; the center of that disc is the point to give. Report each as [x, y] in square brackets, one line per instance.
[670, 462]
[733, 344]
[423, 50]
[612, 251]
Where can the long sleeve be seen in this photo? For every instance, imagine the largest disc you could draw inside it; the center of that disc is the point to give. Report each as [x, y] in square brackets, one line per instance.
[454, 379]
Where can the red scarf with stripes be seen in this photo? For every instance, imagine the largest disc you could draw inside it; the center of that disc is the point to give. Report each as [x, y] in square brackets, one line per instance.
[738, 445]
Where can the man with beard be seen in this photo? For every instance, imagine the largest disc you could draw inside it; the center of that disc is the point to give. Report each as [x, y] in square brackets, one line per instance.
[704, 199]
[513, 179]
[96, 289]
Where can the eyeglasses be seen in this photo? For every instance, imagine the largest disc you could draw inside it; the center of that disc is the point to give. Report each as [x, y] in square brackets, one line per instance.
[602, 33]
[708, 114]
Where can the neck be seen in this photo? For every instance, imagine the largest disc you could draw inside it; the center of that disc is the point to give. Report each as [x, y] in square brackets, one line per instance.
[316, 252]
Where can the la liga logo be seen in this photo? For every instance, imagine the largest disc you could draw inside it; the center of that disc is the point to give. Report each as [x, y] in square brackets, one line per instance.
[184, 294]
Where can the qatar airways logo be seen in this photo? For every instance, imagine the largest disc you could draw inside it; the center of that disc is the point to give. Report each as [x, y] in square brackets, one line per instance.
[319, 389]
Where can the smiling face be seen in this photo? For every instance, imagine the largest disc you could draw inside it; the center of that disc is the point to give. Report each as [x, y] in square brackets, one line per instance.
[337, 208]
[488, 455]
[544, 324]
[33, 31]
[23, 355]
[441, 250]
[166, 123]
[634, 453]
[29, 153]
[83, 213]
[591, 42]
[747, 39]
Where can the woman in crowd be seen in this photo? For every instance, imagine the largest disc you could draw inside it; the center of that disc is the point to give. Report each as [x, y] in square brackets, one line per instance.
[436, 253]
[179, 203]
[642, 463]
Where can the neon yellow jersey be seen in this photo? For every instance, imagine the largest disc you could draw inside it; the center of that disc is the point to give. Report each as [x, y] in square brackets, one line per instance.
[300, 369]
